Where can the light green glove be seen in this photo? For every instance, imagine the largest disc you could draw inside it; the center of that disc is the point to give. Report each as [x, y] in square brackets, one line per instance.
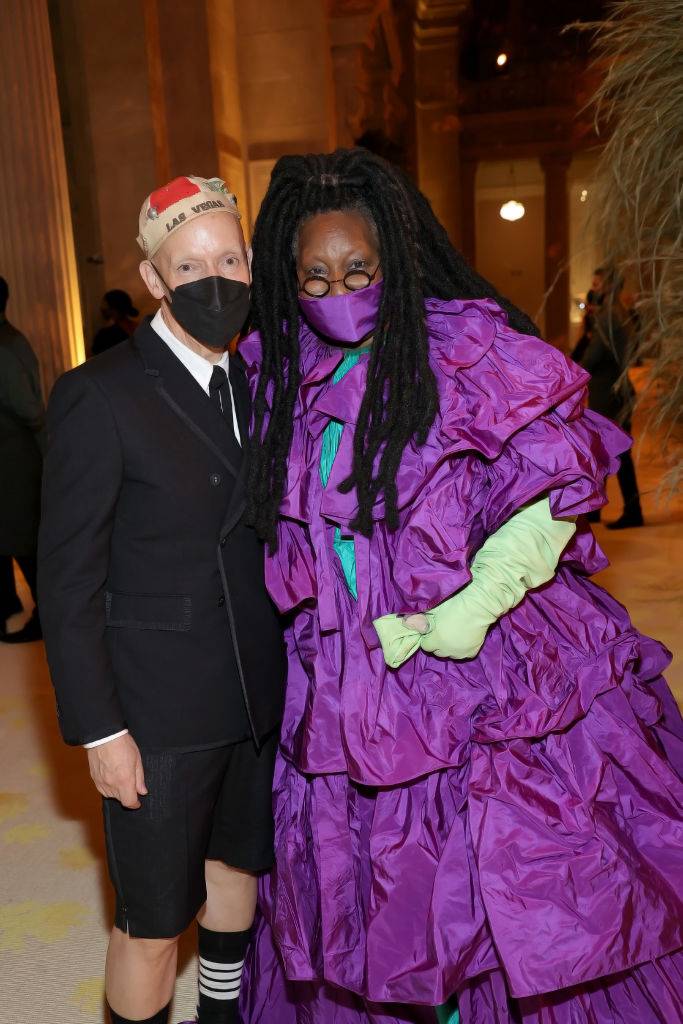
[521, 555]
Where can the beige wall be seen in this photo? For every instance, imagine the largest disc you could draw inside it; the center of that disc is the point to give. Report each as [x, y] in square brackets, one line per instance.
[511, 253]
[152, 88]
[273, 93]
[180, 86]
[585, 254]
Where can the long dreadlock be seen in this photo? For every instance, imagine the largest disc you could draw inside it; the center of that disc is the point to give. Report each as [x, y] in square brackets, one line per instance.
[418, 262]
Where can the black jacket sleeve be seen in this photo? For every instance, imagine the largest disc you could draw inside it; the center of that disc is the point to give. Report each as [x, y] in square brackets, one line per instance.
[82, 479]
[18, 397]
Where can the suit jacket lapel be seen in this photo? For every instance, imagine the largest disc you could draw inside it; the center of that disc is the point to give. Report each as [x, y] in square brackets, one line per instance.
[178, 388]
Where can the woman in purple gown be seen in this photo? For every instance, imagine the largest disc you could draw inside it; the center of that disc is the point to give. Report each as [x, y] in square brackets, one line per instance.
[502, 830]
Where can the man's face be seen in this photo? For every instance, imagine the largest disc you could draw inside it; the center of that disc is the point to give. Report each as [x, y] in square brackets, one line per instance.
[598, 283]
[208, 246]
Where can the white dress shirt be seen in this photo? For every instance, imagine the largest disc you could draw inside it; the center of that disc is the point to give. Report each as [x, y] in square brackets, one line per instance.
[201, 369]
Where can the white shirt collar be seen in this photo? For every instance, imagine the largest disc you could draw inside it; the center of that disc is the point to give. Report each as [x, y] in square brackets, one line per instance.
[200, 368]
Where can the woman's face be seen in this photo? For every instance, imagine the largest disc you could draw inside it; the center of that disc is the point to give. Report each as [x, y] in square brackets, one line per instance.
[332, 245]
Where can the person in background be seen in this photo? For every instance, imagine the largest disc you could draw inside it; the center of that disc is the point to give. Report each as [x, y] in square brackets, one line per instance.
[609, 391]
[22, 439]
[593, 302]
[121, 315]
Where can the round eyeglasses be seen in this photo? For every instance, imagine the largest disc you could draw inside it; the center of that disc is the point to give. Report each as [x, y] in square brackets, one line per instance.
[318, 287]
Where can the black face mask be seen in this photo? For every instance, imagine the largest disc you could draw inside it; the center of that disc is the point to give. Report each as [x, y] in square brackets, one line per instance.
[212, 309]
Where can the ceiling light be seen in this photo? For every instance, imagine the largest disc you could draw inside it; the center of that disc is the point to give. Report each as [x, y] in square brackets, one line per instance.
[512, 210]
[501, 59]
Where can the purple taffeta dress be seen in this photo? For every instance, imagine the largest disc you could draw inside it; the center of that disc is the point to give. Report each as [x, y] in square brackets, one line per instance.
[506, 828]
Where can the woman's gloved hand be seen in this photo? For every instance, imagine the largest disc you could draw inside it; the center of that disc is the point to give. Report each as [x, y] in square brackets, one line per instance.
[521, 555]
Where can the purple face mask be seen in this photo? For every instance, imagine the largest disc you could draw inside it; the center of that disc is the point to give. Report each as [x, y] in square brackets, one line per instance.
[349, 317]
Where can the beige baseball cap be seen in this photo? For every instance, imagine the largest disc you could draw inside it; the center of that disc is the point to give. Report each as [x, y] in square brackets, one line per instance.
[172, 205]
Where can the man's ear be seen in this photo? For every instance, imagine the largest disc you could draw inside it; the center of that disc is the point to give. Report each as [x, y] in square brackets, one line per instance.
[250, 258]
[154, 283]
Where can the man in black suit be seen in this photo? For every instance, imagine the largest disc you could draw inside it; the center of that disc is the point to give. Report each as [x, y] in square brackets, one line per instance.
[22, 429]
[609, 390]
[165, 651]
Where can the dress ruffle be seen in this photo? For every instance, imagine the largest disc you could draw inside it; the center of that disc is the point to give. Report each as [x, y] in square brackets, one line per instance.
[444, 821]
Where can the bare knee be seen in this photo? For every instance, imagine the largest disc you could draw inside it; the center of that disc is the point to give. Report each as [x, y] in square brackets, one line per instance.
[230, 898]
[223, 876]
[154, 952]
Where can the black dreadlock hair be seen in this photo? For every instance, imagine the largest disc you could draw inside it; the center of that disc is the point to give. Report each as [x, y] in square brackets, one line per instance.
[417, 261]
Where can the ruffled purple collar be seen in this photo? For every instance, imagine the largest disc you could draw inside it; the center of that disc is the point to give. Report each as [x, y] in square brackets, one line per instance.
[491, 379]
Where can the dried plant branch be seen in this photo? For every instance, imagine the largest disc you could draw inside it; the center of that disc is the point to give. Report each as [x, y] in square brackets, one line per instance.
[638, 192]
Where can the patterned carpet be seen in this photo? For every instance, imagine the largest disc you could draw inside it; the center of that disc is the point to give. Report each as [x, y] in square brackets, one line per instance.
[54, 898]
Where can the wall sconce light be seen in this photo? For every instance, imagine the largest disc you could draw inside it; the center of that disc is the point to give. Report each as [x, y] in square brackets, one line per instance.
[501, 60]
[584, 195]
[512, 210]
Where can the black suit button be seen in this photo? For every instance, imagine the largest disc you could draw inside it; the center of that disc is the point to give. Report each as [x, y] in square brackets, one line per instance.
[221, 601]
[215, 479]
[224, 541]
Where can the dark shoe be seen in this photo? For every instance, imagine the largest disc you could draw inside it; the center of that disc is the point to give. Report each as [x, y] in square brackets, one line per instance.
[627, 521]
[30, 632]
[13, 607]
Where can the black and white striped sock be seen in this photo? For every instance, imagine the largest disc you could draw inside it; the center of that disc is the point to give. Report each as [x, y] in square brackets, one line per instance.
[221, 959]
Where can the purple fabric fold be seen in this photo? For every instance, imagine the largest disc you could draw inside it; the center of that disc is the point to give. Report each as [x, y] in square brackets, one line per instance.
[507, 824]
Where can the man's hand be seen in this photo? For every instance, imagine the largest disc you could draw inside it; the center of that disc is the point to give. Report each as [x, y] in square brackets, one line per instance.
[419, 622]
[116, 770]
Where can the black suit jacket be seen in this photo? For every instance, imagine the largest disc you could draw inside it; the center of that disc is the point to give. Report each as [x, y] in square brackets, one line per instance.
[153, 602]
[606, 358]
[22, 423]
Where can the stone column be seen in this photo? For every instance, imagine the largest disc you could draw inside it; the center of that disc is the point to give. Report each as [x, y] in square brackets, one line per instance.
[555, 168]
[180, 89]
[436, 43]
[468, 209]
[108, 136]
[368, 65]
[229, 129]
[36, 239]
[273, 90]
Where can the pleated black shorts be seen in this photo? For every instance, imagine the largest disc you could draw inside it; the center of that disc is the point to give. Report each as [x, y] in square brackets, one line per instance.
[206, 804]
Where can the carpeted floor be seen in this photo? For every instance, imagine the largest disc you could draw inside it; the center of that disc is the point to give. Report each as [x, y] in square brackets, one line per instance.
[54, 898]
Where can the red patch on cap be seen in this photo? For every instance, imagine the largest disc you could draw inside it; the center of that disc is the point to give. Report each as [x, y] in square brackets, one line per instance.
[167, 195]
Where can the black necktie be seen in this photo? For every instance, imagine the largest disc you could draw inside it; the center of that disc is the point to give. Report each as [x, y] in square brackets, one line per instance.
[219, 393]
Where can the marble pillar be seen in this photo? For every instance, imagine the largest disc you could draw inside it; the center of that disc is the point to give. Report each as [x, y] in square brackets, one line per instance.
[555, 168]
[436, 42]
[37, 255]
[273, 89]
[368, 67]
[180, 89]
[106, 115]
[468, 209]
